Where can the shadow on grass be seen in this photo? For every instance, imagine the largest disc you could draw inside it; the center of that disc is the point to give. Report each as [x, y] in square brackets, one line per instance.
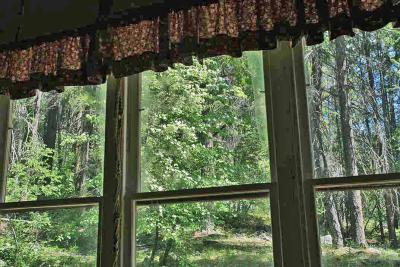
[218, 245]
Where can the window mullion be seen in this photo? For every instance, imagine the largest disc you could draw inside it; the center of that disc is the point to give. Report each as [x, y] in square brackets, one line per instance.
[289, 166]
[131, 182]
[110, 208]
[274, 200]
[5, 137]
[307, 166]
[352, 182]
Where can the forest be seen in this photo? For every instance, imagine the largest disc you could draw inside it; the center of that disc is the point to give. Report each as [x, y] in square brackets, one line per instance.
[56, 152]
[354, 108]
[204, 125]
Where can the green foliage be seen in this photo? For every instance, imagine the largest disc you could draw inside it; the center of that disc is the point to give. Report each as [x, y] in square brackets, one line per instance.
[31, 177]
[203, 125]
[58, 238]
[57, 152]
[200, 128]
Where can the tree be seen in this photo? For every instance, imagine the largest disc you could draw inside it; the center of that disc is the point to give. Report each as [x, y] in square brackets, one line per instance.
[321, 161]
[353, 196]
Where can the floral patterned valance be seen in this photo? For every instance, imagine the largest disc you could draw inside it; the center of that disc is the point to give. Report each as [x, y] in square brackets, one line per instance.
[136, 43]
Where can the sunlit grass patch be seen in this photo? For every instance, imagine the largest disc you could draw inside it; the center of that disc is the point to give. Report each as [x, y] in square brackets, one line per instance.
[235, 251]
[372, 256]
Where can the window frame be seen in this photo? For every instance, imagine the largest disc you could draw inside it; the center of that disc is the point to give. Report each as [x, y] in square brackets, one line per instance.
[290, 65]
[133, 198]
[291, 190]
[288, 78]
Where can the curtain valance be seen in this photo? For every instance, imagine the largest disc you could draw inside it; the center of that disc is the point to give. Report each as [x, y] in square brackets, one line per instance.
[154, 37]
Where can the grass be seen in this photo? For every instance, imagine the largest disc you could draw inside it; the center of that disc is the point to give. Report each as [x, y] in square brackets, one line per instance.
[224, 251]
[351, 257]
[248, 251]
[234, 251]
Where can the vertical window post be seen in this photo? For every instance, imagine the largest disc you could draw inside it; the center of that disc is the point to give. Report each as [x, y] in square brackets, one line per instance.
[131, 182]
[284, 82]
[307, 165]
[111, 204]
[5, 137]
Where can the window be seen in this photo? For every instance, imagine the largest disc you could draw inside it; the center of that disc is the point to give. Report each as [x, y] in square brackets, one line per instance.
[275, 158]
[62, 237]
[217, 233]
[54, 179]
[204, 125]
[203, 142]
[379, 218]
[57, 145]
[353, 94]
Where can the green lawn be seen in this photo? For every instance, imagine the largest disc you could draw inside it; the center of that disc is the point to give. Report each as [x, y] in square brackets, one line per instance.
[351, 257]
[224, 251]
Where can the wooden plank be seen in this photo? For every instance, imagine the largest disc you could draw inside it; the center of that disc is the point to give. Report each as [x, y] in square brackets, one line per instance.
[5, 138]
[40, 205]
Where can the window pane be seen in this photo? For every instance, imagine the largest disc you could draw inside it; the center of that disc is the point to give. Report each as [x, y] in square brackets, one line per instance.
[57, 145]
[221, 233]
[359, 228]
[204, 125]
[354, 111]
[65, 237]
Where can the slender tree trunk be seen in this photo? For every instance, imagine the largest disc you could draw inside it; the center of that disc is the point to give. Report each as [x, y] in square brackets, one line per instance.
[155, 244]
[168, 247]
[390, 217]
[333, 219]
[354, 202]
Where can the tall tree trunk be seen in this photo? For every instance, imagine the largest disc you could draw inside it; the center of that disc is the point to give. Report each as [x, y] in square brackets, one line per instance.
[155, 244]
[50, 135]
[50, 132]
[36, 118]
[321, 162]
[354, 202]
[82, 152]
